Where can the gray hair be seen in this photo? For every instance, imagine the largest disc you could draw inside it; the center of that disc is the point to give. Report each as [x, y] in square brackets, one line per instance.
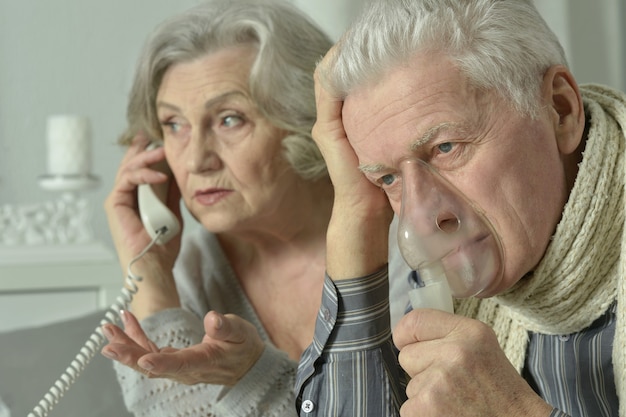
[499, 45]
[281, 83]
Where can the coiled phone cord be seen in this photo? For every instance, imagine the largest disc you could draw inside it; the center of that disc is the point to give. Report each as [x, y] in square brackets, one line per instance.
[94, 342]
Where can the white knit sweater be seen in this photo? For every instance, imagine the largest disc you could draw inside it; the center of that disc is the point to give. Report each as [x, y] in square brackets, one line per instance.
[205, 282]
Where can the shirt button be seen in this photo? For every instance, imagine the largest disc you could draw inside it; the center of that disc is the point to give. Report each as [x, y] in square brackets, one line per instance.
[326, 314]
[564, 337]
[307, 406]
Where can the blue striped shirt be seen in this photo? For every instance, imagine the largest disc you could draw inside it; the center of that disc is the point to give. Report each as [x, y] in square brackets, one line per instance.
[351, 368]
[574, 372]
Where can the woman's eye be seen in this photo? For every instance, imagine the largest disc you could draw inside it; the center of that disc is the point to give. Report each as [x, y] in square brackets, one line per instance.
[171, 127]
[232, 121]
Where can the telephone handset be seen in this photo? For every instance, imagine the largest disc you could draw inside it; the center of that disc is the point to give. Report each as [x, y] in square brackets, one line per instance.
[162, 225]
[155, 214]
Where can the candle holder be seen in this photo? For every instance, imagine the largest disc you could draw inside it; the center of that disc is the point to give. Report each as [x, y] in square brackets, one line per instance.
[68, 183]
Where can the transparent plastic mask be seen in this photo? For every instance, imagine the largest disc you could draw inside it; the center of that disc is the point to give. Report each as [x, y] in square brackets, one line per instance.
[445, 237]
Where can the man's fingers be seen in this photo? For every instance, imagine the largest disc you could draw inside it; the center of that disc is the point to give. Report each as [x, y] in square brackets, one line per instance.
[328, 126]
[422, 325]
[328, 106]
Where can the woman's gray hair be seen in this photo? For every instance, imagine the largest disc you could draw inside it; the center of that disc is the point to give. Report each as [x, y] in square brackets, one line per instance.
[499, 45]
[281, 83]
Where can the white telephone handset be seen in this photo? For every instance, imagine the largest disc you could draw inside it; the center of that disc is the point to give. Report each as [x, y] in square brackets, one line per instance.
[155, 214]
[162, 225]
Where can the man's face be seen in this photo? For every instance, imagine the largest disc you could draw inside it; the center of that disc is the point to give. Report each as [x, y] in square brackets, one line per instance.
[507, 164]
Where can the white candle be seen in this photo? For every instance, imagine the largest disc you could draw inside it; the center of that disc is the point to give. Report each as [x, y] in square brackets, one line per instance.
[69, 145]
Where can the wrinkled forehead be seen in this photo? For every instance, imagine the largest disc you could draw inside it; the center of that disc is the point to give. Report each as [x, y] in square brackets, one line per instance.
[368, 125]
[404, 110]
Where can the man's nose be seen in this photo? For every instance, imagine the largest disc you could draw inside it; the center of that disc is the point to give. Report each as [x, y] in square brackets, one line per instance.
[427, 200]
[430, 214]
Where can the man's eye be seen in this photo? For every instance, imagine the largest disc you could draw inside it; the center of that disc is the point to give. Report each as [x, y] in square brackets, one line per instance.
[388, 179]
[445, 147]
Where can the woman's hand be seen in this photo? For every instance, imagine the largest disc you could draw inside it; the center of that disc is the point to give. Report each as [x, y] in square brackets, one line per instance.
[227, 352]
[157, 291]
[357, 238]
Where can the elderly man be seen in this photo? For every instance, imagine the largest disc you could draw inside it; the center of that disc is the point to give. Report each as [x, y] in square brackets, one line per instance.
[508, 179]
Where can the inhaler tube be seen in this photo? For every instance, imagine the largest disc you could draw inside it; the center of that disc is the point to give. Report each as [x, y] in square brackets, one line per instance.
[445, 238]
[435, 292]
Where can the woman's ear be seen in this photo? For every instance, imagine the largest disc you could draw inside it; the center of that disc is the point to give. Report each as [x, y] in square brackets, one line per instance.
[561, 94]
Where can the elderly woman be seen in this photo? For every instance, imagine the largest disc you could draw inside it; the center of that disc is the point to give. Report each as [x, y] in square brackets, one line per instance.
[227, 89]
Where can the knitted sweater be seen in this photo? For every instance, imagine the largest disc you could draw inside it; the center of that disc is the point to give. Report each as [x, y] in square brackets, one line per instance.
[205, 282]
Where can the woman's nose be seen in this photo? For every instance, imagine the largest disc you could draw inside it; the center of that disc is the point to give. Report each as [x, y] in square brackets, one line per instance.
[201, 153]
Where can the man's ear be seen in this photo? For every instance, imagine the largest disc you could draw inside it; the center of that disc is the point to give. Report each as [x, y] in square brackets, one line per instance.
[561, 94]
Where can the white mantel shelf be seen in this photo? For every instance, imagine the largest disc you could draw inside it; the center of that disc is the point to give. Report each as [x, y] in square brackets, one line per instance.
[57, 267]
[58, 253]
[66, 276]
[42, 284]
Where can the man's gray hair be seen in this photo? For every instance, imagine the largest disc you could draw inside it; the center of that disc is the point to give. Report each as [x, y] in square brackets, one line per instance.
[499, 45]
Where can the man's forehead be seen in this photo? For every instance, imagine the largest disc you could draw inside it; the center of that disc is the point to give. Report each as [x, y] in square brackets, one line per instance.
[366, 111]
[371, 129]
[406, 109]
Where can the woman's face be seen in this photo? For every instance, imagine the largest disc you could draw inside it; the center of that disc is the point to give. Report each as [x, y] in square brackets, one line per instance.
[225, 156]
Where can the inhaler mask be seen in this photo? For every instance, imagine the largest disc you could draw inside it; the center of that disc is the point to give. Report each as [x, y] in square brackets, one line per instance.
[445, 238]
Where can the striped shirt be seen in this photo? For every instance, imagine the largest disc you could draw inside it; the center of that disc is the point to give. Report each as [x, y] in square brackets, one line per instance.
[351, 367]
[574, 372]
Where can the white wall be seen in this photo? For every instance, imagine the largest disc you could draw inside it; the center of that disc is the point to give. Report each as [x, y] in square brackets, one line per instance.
[593, 36]
[78, 56]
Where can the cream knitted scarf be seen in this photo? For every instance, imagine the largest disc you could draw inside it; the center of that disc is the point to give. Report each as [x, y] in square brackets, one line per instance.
[584, 268]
